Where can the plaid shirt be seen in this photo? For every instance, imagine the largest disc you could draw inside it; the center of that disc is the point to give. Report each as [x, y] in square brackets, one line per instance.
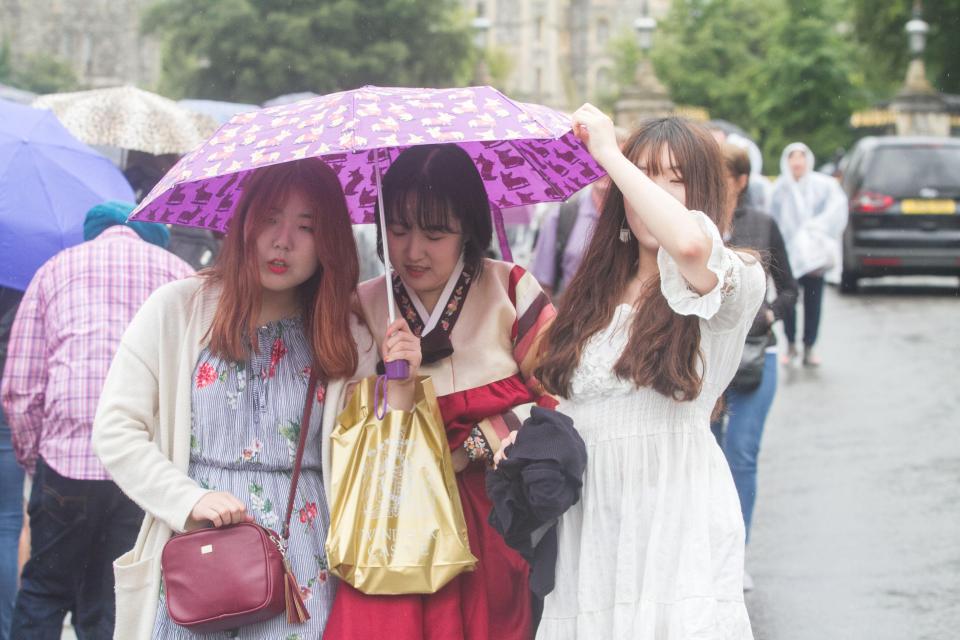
[66, 332]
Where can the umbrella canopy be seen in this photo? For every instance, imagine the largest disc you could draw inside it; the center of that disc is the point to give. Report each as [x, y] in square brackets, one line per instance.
[217, 109]
[48, 182]
[525, 153]
[129, 118]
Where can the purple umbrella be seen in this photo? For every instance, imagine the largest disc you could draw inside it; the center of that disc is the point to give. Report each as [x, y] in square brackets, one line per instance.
[525, 153]
[48, 182]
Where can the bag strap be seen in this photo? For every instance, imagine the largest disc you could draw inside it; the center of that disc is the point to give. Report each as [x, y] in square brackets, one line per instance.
[304, 428]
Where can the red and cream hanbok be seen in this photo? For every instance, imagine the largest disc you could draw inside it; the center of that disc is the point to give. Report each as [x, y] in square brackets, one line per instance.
[479, 346]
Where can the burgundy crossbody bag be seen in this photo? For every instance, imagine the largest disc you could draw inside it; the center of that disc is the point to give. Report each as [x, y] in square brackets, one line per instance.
[223, 578]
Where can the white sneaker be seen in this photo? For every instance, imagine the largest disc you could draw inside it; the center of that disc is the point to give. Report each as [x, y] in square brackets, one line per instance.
[747, 582]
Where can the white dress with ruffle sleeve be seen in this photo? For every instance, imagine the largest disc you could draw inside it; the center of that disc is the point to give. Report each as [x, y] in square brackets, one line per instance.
[654, 549]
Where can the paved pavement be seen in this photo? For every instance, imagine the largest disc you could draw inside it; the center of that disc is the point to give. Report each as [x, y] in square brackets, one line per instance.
[857, 524]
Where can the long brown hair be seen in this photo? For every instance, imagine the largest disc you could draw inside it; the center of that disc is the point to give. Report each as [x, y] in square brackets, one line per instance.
[325, 297]
[664, 347]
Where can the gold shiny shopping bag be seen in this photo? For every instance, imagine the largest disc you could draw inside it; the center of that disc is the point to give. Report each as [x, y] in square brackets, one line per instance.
[396, 523]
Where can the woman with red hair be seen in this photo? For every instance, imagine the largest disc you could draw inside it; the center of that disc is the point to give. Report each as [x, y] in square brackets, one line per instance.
[199, 419]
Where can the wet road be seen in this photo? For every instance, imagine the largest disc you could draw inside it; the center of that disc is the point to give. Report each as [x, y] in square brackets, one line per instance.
[856, 530]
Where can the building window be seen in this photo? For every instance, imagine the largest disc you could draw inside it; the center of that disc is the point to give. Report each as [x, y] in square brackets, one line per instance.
[539, 82]
[603, 80]
[539, 29]
[481, 9]
[603, 31]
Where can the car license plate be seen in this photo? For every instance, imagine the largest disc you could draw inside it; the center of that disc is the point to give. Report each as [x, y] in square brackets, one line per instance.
[929, 206]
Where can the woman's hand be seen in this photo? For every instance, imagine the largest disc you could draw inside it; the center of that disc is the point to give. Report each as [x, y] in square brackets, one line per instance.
[460, 459]
[401, 344]
[218, 508]
[595, 129]
[501, 454]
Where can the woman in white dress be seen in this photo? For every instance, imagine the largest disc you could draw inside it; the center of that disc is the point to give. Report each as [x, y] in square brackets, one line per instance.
[648, 337]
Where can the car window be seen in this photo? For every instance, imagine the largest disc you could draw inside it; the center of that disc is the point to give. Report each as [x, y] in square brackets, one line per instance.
[903, 171]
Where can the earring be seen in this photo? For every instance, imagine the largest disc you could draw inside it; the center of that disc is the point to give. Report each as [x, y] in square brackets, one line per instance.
[625, 233]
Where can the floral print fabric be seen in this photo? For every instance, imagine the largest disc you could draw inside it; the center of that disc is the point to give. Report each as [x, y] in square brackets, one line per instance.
[245, 429]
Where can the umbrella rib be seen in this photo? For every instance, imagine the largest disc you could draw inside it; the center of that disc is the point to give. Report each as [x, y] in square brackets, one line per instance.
[46, 195]
[39, 151]
[534, 116]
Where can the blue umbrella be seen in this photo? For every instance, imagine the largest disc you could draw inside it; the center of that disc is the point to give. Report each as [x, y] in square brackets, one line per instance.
[48, 182]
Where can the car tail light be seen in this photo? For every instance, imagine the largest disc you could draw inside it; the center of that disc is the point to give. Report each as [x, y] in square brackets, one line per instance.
[881, 262]
[870, 202]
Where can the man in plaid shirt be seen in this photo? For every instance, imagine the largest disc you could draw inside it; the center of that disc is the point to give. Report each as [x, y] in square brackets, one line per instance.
[64, 337]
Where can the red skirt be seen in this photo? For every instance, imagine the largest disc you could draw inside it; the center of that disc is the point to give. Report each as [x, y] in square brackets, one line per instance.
[491, 602]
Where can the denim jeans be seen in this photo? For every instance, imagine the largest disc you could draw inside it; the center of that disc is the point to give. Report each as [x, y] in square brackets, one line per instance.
[77, 529]
[11, 521]
[740, 441]
[812, 303]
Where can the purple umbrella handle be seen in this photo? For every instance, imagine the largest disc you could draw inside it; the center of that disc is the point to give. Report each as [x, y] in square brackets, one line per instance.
[396, 370]
[505, 252]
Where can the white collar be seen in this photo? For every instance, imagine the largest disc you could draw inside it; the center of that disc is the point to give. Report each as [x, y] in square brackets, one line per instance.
[430, 320]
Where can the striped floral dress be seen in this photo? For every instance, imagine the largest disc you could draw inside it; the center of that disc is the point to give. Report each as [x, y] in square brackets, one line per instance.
[245, 428]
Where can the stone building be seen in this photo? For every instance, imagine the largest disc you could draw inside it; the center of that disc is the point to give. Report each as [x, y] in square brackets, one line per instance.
[99, 39]
[559, 49]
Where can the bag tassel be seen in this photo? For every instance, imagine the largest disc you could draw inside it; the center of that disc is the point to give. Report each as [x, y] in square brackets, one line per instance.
[296, 609]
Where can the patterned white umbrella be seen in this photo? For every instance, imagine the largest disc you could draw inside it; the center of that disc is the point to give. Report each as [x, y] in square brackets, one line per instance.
[129, 118]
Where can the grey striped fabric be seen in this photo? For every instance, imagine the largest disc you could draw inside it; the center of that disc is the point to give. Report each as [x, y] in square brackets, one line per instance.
[245, 429]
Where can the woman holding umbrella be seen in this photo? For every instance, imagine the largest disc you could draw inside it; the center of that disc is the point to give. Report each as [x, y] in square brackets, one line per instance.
[200, 413]
[480, 321]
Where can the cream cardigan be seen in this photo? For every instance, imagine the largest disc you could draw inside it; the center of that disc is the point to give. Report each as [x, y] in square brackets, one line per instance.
[145, 443]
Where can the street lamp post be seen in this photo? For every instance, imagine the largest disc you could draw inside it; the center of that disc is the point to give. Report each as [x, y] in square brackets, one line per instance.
[918, 108]
[481, 27]
[917, 30]
[645, 26]
[647, 97]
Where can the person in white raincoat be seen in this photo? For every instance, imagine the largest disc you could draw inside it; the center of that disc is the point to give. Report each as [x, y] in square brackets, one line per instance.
[811, 210]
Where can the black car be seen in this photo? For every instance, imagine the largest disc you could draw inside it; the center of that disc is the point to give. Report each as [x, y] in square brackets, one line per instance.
[904, 220]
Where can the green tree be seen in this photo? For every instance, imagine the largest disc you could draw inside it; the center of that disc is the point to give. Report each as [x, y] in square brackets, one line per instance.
[39, 73]
[778, 68]
[251, 50]
[626, 54]
[878, 26]
[708, 53]
[807, 87]
[43, 73]
[6, 67]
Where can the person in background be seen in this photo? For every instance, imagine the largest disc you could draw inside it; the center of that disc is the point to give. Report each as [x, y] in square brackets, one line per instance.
[750, 395]
[11, 481]
[811, 211]
[759, 189]
[197, 247]
[564, 236]
[565, 233]
[65, 334]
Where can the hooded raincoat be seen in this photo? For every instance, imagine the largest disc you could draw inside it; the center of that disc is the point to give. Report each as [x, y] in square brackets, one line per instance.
[811, 213]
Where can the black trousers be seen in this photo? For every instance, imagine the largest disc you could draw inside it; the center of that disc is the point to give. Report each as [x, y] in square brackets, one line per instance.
[812, 302]
[77, 529]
